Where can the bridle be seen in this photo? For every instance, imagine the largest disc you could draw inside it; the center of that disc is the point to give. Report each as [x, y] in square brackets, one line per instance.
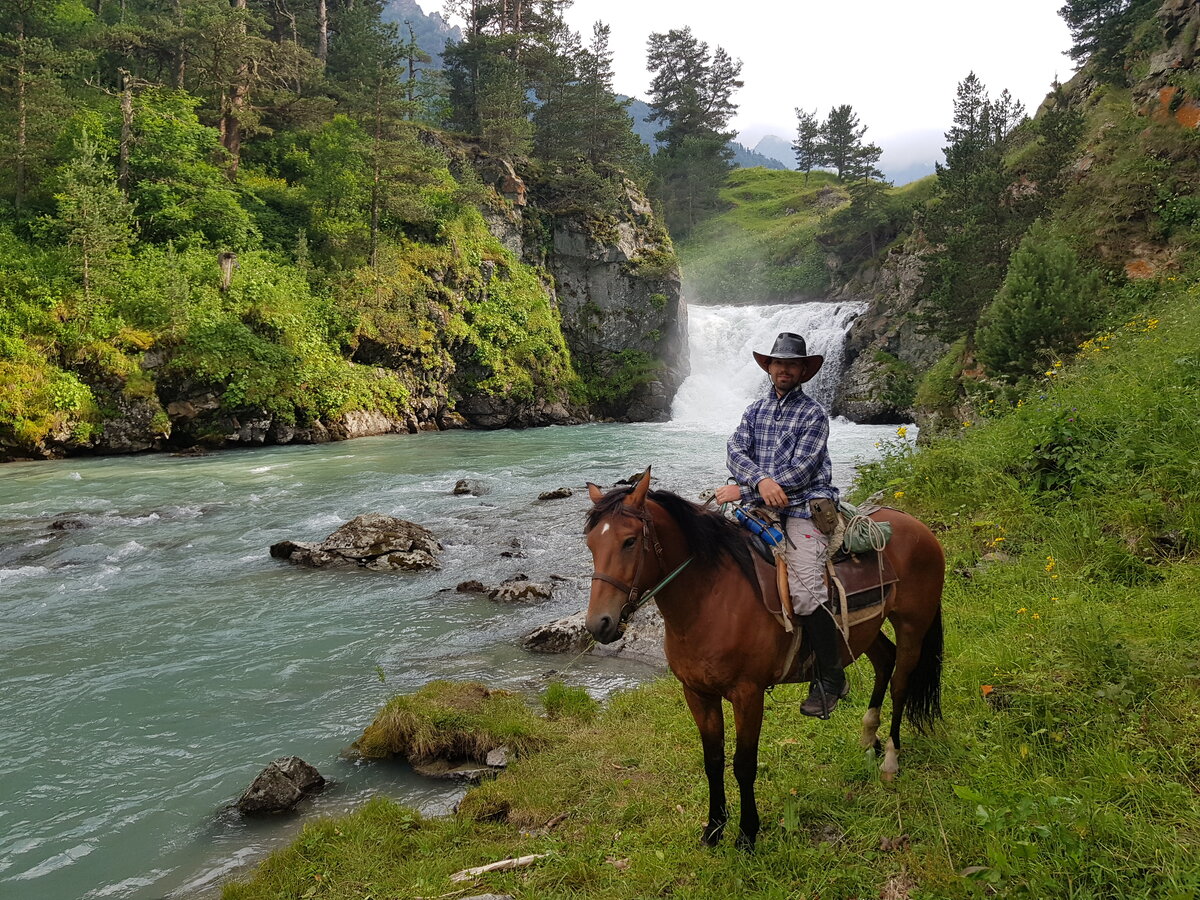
[634, 599]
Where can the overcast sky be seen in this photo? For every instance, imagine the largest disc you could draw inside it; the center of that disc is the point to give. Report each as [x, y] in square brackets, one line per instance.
[897, 63]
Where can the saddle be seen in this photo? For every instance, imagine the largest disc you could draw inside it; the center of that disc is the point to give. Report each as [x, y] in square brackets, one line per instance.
[861, 586]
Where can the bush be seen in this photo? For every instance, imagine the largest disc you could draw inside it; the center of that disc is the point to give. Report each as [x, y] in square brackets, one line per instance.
[1043, 309]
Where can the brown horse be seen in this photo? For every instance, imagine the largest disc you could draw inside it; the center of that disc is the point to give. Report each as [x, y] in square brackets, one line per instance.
[721, 642]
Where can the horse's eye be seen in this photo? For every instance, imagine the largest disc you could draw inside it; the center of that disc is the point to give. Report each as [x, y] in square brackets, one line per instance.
[629, 542]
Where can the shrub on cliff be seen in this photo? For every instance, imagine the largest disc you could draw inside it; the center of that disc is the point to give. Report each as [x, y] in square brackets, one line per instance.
[1045, 307]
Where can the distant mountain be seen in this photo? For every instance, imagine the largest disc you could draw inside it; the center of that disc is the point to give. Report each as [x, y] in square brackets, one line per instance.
[639, 112]
[431, 31]
[777, 148]
[745, 158]
[902, 175]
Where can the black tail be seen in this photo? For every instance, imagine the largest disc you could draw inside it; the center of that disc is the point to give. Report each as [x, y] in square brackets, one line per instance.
[924, 702]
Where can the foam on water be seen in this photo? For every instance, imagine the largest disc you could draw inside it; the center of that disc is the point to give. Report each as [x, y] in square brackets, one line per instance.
[724, 375]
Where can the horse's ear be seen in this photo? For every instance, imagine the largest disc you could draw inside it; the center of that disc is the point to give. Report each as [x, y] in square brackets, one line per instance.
[638, 497]
[595, 493]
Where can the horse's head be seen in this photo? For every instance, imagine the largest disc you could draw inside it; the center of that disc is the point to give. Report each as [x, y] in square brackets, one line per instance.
[622, 542]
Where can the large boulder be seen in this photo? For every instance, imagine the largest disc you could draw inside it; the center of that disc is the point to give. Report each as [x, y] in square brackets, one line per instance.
[372, 541]
[642, 641]
[280, 786]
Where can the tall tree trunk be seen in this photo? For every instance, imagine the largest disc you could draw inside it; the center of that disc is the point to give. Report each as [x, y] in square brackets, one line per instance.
[180, 47]
[322, 31]
[375, 182]
[22, 137]
[126, 131]
[239, 93]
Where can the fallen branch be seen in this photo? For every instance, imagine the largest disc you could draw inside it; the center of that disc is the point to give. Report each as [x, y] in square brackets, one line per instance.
[502, 866]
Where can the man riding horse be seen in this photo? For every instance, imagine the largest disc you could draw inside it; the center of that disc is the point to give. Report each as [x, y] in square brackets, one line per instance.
[779, 457]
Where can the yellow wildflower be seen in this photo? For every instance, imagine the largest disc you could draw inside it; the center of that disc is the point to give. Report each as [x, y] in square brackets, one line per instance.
[1021, 611]
[902, 431]
[966, 424]
[898, 494]
[1049, 563]
[1035, 616]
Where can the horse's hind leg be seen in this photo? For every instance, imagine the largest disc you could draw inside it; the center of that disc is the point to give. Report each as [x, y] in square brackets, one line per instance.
[710, 719]
[882, 653]
[907, 655]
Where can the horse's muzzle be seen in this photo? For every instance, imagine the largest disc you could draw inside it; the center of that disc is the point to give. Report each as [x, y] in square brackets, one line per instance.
[605, 628]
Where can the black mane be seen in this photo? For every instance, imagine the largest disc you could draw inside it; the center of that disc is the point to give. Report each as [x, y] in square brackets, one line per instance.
[709, 534]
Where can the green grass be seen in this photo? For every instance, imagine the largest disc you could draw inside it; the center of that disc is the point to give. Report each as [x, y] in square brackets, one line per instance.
[456, 720]
[1068, 761]
[761, 247]
[764, 245]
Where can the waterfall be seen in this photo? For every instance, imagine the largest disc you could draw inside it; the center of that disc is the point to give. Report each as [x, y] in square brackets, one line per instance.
[725, 377]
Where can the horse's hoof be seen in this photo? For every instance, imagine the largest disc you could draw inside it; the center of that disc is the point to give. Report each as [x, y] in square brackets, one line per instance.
[877, 748]
[745, 844]
[888, 776]
[710, 837]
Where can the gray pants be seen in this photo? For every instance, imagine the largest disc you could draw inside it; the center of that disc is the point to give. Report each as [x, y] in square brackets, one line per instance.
[806, 565]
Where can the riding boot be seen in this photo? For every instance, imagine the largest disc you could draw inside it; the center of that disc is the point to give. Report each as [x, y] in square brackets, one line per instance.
[829, 684]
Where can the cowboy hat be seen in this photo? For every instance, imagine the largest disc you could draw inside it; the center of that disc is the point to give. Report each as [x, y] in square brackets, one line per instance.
[791, 346]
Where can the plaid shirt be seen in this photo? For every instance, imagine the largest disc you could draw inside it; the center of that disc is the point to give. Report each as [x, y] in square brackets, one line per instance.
[785, 439]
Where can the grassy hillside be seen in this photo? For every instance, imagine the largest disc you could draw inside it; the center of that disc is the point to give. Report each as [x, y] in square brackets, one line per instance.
[778, 238]
[1068, 762]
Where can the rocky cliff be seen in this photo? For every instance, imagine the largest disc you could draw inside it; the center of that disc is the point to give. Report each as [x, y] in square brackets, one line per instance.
[516, 317]
[886, 348]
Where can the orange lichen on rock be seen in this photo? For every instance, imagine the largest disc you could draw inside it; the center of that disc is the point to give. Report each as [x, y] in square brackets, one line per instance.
[1140, 268]
[1188, 115]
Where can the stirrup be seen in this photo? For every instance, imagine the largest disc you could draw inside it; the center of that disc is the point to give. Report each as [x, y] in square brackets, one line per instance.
[822, 701]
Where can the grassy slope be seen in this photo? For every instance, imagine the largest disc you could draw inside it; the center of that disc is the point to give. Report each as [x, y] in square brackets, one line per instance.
[761, 247]
[1071, 526]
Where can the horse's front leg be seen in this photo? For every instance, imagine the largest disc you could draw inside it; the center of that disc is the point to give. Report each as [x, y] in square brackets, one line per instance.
[747, 717]
[706, 710]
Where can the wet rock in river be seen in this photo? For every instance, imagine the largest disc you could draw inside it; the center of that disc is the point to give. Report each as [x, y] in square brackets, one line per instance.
[372, 541]
[557, 494]
[519, 589]
[280, 786]
[642, 641]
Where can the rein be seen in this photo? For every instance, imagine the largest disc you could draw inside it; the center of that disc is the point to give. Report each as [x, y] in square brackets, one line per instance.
[635, 600]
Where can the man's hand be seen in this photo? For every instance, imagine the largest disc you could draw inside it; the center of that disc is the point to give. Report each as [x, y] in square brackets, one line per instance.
[728, 493]
[772, 493]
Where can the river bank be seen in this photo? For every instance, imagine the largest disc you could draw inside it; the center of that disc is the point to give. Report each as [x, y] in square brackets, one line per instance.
[1066, 762]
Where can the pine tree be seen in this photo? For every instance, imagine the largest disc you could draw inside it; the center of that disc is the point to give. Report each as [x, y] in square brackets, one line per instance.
[93, 214]
[1044, 308]
[691, 94]
[841, 140]
[975, 225]
[35, 50]
[1102, 30]
[808, 142]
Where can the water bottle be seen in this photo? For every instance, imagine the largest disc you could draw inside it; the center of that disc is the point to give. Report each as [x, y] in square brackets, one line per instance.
[770, 534]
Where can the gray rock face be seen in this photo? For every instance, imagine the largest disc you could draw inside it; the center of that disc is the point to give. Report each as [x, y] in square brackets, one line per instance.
[885, 350]
[139, 424]
[620, 293]
[617, 287]
[372, 541]
[280, 786]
